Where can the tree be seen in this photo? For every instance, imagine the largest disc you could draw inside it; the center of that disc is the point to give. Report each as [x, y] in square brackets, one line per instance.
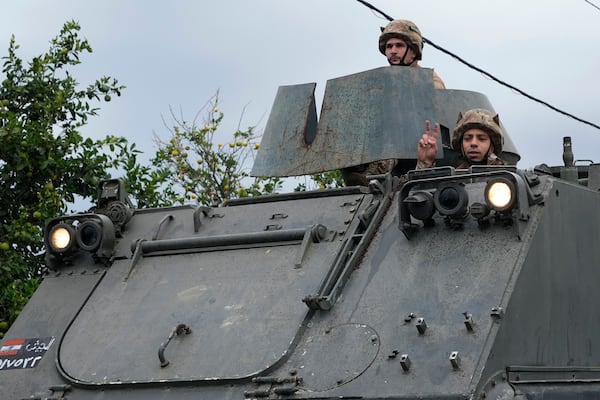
[44, 160]
[196, 169]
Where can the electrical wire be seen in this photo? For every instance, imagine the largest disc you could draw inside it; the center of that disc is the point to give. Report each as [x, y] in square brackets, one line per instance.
[492, 77]
[592, 4]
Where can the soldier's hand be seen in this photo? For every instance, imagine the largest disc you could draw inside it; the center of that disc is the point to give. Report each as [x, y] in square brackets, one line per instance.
[427, 146]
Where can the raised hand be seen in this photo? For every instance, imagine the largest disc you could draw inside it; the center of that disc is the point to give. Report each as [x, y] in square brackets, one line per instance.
[427, 146]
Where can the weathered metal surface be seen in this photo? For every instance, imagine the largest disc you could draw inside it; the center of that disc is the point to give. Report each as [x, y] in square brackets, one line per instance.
[292, 124]
[466, 305]
[205, 294]
[372, 115]
[365, 117]
[54, 304]
[475, 312]
[206, 291]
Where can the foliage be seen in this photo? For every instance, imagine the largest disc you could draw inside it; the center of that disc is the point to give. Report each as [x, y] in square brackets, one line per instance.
[196, 169]
[193, 166]
[321, 181]
[44, 161]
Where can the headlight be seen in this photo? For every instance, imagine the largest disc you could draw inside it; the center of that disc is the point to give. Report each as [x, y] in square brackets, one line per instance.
[420, 205]
[62, 238]
[500, 194]
[451, 200]
[67, 238]
[89, 235]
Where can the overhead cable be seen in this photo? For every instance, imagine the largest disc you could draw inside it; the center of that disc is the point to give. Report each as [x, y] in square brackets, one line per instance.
[492, 77]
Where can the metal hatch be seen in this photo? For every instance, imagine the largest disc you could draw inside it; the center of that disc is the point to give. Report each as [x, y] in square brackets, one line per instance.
[243, 303]
[237, 330]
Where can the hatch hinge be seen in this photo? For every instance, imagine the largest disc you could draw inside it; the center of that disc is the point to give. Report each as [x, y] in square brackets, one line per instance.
[272, 385]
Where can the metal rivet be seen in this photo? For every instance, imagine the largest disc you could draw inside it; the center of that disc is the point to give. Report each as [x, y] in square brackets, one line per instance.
[468, 321]
[421, 325]
[405, 362]
[497, 312]
[454, 360]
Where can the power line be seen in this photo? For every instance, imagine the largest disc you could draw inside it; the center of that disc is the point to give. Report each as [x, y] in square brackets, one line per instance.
[509, 85]
[521, 92]
[592, 4]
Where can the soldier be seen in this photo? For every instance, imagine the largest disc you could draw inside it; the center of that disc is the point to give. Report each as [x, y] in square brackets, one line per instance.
[477, 138]
[402, 44]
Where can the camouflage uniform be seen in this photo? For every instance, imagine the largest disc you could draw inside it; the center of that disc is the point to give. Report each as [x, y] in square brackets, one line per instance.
[410, 33]
[357, 175]
[487, 122]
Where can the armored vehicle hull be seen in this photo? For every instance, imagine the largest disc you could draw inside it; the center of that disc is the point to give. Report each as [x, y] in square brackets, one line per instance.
[427, 285]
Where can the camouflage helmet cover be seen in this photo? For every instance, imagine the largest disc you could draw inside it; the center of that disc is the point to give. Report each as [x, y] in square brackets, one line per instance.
[480, 119]
[405, 30]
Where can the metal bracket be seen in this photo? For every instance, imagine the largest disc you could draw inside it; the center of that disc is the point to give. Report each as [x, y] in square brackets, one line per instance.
[358, 235]
[204, 210]
[313, 235]
[166, 218]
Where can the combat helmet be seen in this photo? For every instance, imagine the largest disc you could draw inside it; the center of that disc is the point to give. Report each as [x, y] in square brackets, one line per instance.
[481, 119]
[405, 30]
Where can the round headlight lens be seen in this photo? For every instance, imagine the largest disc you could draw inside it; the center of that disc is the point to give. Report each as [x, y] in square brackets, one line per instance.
[500, 194]
[451, 200]
[61, 238]
[89, 235]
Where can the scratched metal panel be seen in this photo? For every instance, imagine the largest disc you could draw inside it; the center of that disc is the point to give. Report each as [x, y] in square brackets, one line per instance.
[450, 102]
[244, 308]
[291, 127]
[368, 116]
[49, 310]
[371, 115]
[244, 305]
[374, 115]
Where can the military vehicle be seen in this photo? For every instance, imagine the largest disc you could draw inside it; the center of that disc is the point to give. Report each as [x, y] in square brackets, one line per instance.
[434, 283]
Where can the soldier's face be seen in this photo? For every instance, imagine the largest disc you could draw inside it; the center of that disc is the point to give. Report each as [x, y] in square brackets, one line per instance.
[476, 144]
[398, 52]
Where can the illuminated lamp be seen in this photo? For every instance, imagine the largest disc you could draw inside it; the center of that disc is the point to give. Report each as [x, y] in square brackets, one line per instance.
[500, 194]
[61, 238]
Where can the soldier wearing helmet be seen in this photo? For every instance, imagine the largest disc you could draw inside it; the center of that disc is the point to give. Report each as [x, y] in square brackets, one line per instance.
[402, 44]
[477, 138]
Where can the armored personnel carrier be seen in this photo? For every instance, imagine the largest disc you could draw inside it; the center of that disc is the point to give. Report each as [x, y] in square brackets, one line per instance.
[424, 284]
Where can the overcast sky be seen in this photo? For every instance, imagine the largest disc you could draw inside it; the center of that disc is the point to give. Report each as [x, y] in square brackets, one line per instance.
[179, 53]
